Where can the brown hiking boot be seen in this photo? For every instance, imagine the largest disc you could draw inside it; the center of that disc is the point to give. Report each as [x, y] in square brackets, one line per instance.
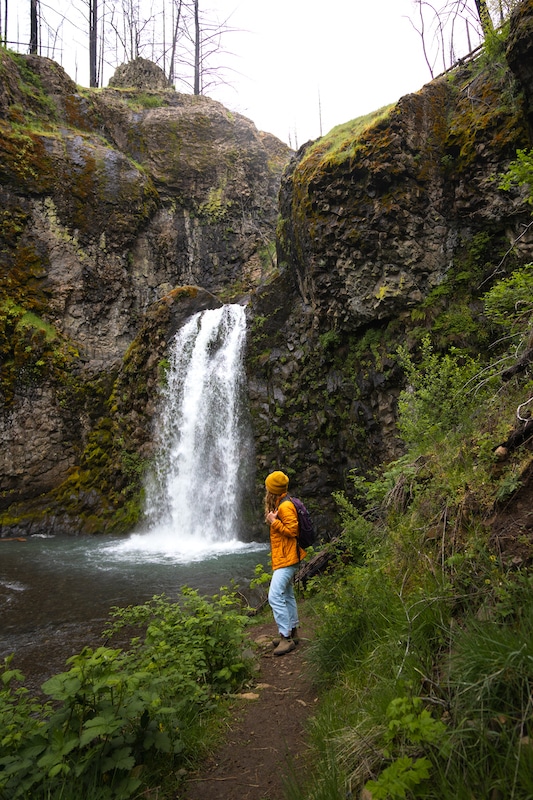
[285, 645]
[294, 636]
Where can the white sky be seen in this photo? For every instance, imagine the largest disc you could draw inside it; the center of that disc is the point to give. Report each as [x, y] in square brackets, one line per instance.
[305, 63]
[300, 67]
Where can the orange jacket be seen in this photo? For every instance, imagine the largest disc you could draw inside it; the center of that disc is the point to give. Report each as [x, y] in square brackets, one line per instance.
[283, 536]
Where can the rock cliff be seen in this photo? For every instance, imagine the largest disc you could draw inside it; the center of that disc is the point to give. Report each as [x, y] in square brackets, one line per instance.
[391, 226]
[117, 204]
[110, 200]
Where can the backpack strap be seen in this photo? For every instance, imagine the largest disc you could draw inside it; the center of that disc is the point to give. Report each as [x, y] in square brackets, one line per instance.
[287, 497]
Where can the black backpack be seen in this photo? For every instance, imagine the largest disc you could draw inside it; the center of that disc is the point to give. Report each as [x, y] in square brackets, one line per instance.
[306, 529]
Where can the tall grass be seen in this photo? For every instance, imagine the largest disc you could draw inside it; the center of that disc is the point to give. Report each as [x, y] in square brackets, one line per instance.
[424, 640]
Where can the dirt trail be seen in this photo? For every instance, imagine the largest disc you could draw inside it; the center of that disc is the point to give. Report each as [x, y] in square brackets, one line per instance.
[265, 742]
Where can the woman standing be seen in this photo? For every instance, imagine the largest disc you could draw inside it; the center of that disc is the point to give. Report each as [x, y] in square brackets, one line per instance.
[281, 515]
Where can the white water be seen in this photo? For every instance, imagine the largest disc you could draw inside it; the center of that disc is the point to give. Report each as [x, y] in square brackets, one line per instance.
[194, 494]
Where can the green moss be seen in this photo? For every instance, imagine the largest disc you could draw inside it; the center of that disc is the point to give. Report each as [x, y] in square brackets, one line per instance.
[146, 99]
[23, 160]
[453, 310]
[216, 207]
[488, 115]
[341, 143]
[39, 106]
[230, 293]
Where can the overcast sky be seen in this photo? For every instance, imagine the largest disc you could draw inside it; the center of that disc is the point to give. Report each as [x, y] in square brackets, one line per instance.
[308, 66]
[299, 67]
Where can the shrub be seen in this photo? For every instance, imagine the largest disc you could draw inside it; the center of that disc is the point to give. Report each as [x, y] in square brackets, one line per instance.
[441, 396]
[119, 717]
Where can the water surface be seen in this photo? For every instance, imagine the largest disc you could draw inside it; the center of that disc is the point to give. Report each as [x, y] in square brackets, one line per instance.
[50, 586]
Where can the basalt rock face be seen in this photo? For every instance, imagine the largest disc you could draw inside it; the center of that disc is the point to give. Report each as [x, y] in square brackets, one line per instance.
[110, 199]
[122, 203]
[389, 227]
[371, 231]
[139, 74]
[519, 51]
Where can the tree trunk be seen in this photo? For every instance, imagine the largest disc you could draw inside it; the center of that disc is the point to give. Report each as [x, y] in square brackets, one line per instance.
[93, 34]
[171, 72]
[34, 30]
[484, 16]
[196, 48]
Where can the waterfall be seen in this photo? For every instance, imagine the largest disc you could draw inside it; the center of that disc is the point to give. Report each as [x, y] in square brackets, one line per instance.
[194, 494]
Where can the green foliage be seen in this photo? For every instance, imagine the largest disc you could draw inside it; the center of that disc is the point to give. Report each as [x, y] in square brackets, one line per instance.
[267, 255]
[491, 663]
[494, 45]
[391, 487]
[489, 672]
[120, 718]
[509, 304]
[423, 636]
[442, 396]
[204, 635]
[162, 371]
[358, 532]
[329, 339]
[145, 100]
[400, 779]
[363, 620]
[411, 723]
[520, 173]
[261, 578]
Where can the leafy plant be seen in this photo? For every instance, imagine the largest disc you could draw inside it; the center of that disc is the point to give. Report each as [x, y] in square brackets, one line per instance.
[520, 173]
[410, 722]
[440, 397]
[119, 717]
[400, 779]
[509, 304]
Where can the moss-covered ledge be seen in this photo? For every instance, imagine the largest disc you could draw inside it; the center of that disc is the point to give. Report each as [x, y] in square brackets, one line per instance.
[103, 493]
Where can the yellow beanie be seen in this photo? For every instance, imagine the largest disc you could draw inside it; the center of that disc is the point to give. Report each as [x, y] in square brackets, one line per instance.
[277, 482]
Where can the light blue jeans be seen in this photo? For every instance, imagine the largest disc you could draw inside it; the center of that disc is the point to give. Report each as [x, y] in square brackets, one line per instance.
[282, 600]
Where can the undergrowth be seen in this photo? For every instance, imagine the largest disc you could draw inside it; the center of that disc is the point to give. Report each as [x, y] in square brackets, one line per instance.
[424, 632]
[123, 719]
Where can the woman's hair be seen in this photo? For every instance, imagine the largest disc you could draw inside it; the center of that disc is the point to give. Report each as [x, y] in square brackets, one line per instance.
[271, 502]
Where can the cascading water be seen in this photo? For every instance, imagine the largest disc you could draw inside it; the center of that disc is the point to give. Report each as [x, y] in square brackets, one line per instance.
[201, 475]
[195, 492]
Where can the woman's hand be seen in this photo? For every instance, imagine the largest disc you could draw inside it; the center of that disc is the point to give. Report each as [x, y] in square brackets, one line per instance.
[271, 516]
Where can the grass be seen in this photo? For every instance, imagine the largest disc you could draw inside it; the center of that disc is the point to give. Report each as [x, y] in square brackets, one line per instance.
[424, 634]
[341, 143]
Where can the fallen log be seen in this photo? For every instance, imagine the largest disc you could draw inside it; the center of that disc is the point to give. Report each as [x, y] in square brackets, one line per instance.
[318, 563]
[520, 366]
[521, 435]
[12, 539]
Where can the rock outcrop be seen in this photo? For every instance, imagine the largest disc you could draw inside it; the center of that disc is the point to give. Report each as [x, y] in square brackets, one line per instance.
[390, 226]
[121, 203]
[110, 200]
[139, 74]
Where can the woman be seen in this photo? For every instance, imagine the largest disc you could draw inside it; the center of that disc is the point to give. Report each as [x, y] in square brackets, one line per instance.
[281, 515]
